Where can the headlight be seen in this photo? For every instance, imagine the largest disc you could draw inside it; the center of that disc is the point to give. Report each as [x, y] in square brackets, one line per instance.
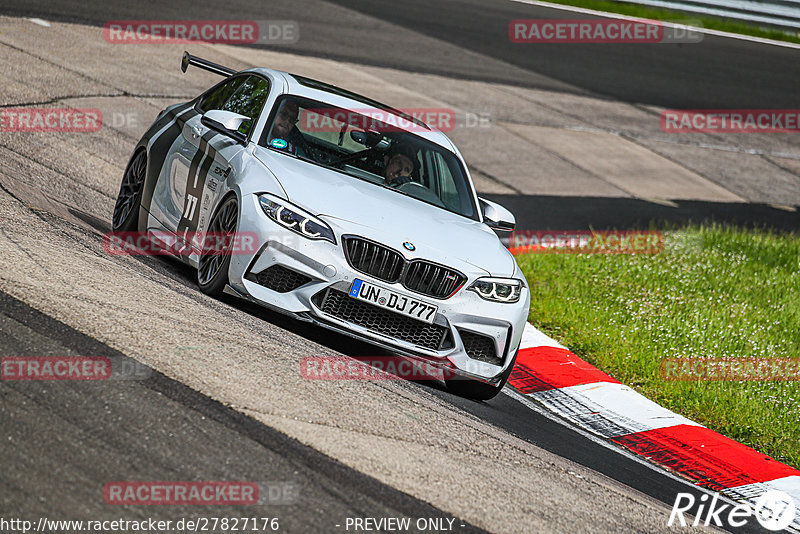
[497, 289]
[295, 219]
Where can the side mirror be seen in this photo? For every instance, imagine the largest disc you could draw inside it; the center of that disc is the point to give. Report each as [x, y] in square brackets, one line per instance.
[496, 216]
[226, 122]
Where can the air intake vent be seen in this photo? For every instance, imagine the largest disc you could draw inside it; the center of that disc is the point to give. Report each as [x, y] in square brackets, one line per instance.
[338, 304]
[481, 348]
[279, 278]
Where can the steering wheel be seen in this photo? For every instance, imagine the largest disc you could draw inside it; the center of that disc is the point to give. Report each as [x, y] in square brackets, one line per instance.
[417, 190]
[397, 181]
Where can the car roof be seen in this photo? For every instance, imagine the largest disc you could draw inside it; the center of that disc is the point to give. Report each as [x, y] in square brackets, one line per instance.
[332, 94]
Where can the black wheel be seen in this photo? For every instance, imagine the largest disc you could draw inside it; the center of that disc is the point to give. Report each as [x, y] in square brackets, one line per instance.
[212, 270]
[126, 210]
[472, 389]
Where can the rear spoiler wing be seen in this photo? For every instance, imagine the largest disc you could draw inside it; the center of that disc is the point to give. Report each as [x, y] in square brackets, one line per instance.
[204, 64]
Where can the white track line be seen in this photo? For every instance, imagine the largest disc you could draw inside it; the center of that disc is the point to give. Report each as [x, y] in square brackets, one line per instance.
[40, 22]
[532, 337]
[609, 409]
[602, 410]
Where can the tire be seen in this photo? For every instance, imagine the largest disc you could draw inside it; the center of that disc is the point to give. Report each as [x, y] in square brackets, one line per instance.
[475, 390]
[129, 199]
[212, 269]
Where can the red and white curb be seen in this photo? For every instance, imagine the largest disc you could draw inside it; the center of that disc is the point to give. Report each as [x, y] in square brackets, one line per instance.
[557, 379]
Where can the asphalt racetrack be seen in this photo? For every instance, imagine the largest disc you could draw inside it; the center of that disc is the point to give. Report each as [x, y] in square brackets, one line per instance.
[221, 397]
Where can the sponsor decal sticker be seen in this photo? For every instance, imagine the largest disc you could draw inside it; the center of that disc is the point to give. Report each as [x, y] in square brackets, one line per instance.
[279, 143]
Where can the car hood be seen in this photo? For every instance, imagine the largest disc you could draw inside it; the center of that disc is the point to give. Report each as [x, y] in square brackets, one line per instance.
[354, 206]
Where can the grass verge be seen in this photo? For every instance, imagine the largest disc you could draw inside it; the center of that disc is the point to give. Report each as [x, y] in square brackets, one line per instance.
[680, 17]
[713, 292]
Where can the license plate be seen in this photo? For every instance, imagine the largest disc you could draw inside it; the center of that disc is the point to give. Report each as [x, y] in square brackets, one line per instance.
[396, 302]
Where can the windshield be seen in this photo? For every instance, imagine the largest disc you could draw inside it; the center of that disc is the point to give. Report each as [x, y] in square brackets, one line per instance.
[372, 145]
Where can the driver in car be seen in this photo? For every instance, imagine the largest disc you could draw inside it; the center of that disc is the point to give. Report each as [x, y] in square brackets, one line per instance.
[399, 165]
[284, 134]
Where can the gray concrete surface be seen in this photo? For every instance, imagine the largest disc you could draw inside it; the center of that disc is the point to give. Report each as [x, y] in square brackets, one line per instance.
[57, 191]
[64, 441]
[717, 168]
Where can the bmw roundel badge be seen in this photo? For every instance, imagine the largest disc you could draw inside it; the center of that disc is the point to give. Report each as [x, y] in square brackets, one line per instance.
[409, 246]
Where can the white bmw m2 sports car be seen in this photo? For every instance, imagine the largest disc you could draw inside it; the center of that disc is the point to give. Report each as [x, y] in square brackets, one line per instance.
[365, 218]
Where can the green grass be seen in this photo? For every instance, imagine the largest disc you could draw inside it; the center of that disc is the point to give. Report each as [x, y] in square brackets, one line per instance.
[712, 292]
[713, 23]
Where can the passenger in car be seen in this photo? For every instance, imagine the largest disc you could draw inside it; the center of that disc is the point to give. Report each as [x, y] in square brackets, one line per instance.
[400, 165]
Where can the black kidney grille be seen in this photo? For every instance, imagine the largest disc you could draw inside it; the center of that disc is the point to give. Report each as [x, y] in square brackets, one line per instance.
[481, 348]
[432, 279]
[373, 259]
[420, 276]
[340, 305]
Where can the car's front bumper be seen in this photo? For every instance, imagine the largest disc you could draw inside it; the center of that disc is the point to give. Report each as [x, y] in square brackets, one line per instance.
[323, 299]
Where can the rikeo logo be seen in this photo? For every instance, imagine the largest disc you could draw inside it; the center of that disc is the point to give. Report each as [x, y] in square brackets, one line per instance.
[774, 510]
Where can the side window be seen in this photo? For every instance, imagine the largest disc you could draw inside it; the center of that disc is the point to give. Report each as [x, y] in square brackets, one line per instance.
[247, 100]
[448, 191]
[216, 97]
